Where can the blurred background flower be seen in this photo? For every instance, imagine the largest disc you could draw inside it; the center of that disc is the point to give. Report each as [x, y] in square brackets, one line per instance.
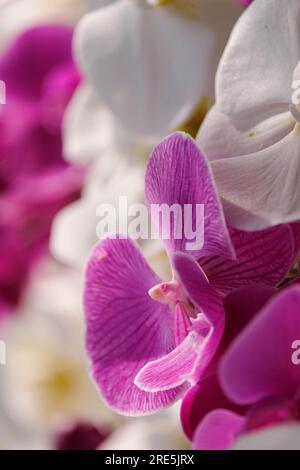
[47, 399]
[35, 181]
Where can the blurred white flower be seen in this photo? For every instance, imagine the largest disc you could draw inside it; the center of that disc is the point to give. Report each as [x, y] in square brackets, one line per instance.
[281, 436]
[143, 80]
[161, 431]
[16, 15]
[46, 378]
[152, 65]
[116, 167]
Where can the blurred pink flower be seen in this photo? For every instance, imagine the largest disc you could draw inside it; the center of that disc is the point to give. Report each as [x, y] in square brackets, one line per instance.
[246, 2]
[35, 182]
[80, 435]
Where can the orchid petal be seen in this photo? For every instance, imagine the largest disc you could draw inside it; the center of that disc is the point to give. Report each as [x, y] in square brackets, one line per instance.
[198, 289]
[125, 328]
[264, 257]
[178, 173]
[259, 362]
[218, 430]
[243, 80]
[189, 360]
[241, 306]
[262, 189]
[32, 56]
[218, 138]
[200, 400]
[179, 366]
[89, 127]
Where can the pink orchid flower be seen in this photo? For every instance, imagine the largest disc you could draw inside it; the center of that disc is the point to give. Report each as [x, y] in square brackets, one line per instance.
[35, 182]
[149, 340]
[258, 372]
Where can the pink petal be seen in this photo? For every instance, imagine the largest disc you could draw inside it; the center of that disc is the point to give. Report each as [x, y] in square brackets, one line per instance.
[218, 430]
[125, 328]
[178, 173]
[246, 2]
[262, 257]
[190, 359]
[182, 323]
[198, 289]
[201, 400]
[179, 366]
[259, 362]
[32, 56]
[241, 306]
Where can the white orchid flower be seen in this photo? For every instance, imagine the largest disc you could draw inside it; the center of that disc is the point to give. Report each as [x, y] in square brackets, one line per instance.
[252, 135]
[151, 64]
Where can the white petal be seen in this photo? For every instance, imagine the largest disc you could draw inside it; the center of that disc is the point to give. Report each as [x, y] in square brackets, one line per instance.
[74, 233]
[254, 80]
[262, 189]
[74, 228]
[89, 127]
[280, 437]
[218, 138]
[151, 66]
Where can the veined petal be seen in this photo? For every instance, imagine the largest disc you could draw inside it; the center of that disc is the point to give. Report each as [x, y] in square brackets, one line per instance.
[259, 362]
[218, 430]
[262, 189]
[179, 366]
[264, 257]
[178, 174]
[249, 87]
[125, 328]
